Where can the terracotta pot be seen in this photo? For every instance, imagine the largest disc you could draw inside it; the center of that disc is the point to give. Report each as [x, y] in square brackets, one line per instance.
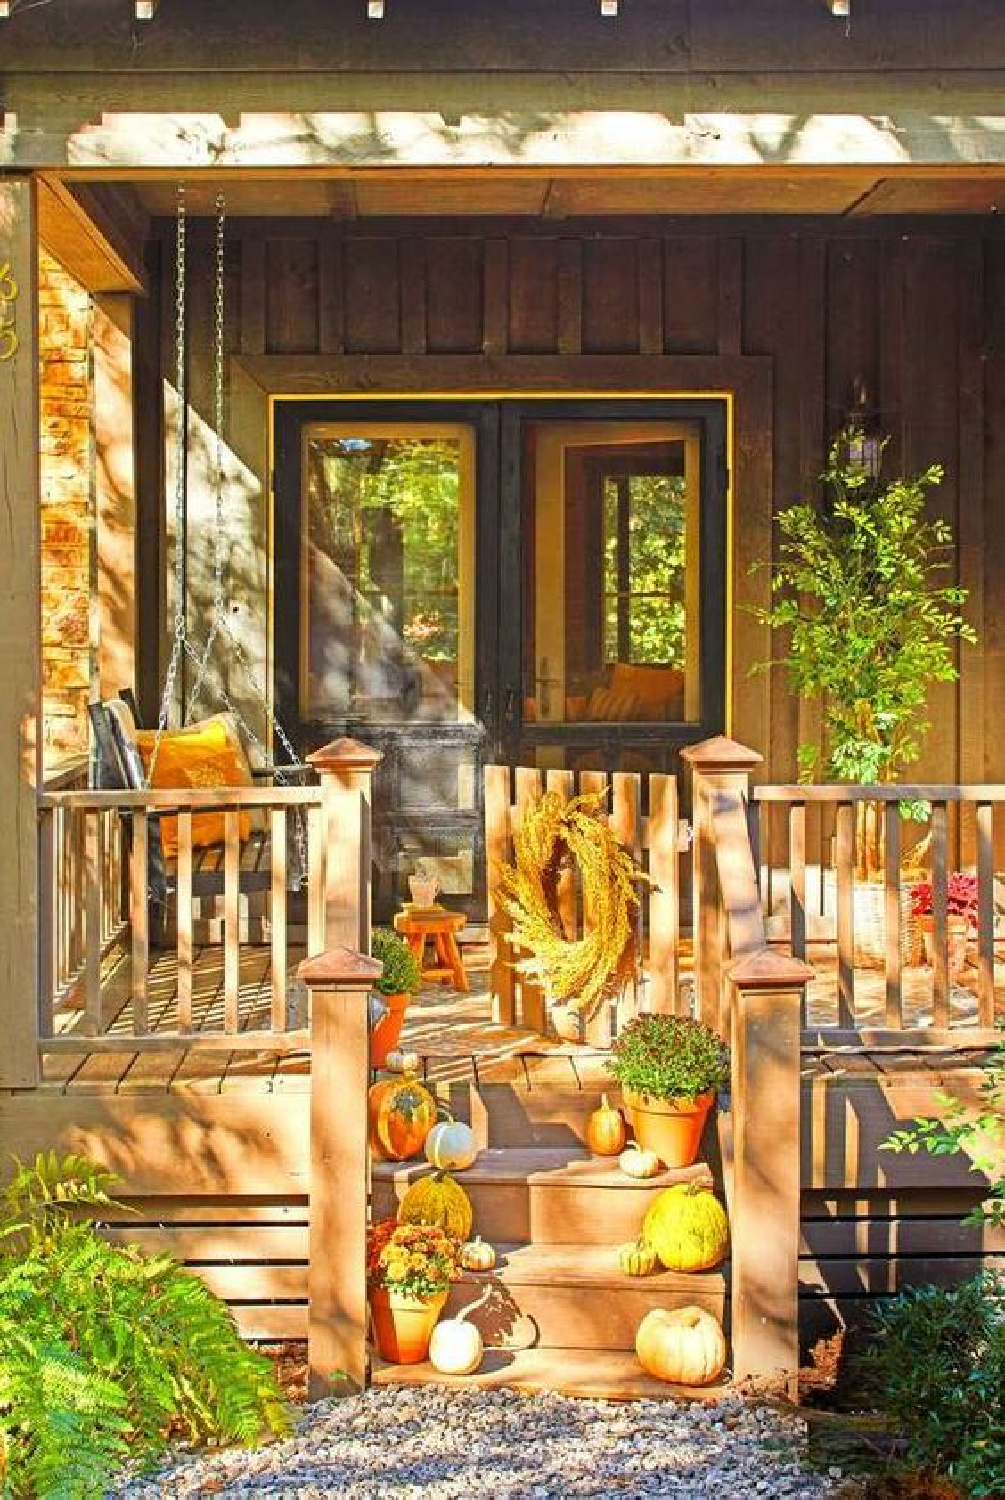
[403, 1325]
[670, 1127]
[384, 1036]
[959, 933]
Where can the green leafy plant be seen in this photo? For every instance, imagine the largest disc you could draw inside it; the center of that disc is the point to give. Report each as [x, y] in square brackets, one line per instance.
[979, 1132]
[871, 625]
[401, 972]
[669, 1057]
[105, 1352]
[935, 1367]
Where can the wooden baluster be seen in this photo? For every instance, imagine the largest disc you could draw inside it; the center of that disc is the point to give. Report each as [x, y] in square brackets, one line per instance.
[316, 855]
[498, 852]
[77, 899]
[231, 920]
[92, 923]
[664, 896]
[277, 827]
[529, 786]
[797, 877]
[48, 917]
[626, 821]
[940, 898]
[755, 815]
[139, 921]
[183, 920]
[844, 844]
[892, 914]
[985, 914]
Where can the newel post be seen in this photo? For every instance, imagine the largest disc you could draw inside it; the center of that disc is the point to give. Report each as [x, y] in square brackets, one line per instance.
[345, 769]
[339, 983]
[767, 993]
[717, 765]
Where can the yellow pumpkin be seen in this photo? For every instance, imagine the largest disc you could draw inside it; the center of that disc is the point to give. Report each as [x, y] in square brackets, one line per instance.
[637, 1258]
[451, 1146]
[477, 1256]
[638, 1161]
[402, 1113]
[686, 1347]
[687, 1227]
[605, 1130]
[438, 1200]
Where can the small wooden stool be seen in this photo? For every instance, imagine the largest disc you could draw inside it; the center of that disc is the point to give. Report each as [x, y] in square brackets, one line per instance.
[442, 927]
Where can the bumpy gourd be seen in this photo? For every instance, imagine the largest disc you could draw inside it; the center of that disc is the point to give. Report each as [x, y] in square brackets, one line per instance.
[441, 1201]
[402, 1113]
[637, 1258]
[687, 1227]
[605, 1130]
[638, 1161]
[451, 1146]
[476, 1255]
[685, 1347]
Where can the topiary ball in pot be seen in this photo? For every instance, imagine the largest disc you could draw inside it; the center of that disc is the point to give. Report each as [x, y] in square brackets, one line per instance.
[397, 984]
[670, 1069]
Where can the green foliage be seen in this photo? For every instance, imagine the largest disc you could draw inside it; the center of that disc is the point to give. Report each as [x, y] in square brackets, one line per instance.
[106, 1352]
[936, 1369]
[979, 1132]
[401, 971]
[870, 625]
[656, 565]
[669, 1057]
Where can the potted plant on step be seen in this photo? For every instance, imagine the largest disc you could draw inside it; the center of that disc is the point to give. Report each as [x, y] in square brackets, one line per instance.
[396, 986]
[409, 1271]
[962, 917]
[670, 1069]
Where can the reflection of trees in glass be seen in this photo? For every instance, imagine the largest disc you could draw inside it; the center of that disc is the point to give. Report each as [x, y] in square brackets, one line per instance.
[385, 510]
[654, 568]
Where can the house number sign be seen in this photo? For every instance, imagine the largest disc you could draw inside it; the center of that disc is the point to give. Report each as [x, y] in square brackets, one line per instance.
[9, 342]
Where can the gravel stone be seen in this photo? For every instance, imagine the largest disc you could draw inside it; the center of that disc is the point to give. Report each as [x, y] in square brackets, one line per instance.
[453, 1444]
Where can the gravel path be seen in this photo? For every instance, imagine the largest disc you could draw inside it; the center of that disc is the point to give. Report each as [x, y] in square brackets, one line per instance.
[431, 1441]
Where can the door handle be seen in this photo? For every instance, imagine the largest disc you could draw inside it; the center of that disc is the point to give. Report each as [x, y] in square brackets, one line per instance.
[488, 703]
[509, 706]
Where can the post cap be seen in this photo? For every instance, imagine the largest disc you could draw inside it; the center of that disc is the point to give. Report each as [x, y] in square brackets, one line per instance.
[344, 755]
[339, 967]
[721, 754]
[766, 969]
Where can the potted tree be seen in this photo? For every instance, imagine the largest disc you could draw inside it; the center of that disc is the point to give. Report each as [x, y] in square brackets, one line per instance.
[396, 986]
[409, 1271]
[670, 1069]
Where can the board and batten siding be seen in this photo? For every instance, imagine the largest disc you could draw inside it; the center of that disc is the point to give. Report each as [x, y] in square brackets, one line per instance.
[915, 307]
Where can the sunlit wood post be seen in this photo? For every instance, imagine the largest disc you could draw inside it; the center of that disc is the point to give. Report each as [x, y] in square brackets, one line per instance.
[717, 765]
[345, 769]
[339, 982]
[767, 993]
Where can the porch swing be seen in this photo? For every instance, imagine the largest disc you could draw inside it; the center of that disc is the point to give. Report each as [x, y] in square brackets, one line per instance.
[128, 755]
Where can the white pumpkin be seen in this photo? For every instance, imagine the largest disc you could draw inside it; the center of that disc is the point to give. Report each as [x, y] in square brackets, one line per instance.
[402, 1062]
[456, 1347]
[638, 1161]
[451, 1146]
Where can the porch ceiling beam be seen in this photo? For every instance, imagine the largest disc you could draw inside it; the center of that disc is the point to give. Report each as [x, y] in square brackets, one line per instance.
[91, 235]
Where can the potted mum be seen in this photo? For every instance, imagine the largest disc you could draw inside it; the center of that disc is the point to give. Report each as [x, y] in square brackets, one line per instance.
[409, 1270]
[962, 916]
[396, 986]
[670, 1069]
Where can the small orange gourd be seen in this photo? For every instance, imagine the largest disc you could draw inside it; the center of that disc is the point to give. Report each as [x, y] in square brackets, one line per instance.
[605, 1130]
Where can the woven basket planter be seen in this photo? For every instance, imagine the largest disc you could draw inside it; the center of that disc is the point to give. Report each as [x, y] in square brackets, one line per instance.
[869, 910]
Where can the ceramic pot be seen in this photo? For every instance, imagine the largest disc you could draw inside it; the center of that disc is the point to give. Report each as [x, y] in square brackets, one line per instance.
[403, 1325]
[959, 934]
[670, 1127]
[384, 1036]
[423, 889]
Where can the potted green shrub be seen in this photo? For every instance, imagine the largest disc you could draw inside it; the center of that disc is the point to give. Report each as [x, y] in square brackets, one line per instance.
[397, 984]
[670, 1069]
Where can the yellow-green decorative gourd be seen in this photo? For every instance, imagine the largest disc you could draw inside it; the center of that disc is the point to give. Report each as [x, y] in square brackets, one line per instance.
[637, 1258]
[688, 1228]
[438, 1200]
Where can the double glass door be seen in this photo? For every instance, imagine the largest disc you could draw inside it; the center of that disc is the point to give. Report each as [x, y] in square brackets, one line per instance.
[455, 582]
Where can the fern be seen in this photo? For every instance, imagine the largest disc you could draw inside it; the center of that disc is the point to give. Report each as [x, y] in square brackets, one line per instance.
[105, 1352]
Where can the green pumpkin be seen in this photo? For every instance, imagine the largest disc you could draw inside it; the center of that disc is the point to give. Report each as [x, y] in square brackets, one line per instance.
[688, 1228]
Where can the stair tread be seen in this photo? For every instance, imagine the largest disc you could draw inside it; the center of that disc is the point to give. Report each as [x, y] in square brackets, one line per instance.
[554, 1166]
[612, 1375]
[593, 1266]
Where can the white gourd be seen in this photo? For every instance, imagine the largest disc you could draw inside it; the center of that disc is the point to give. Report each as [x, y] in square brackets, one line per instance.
[451, 1146]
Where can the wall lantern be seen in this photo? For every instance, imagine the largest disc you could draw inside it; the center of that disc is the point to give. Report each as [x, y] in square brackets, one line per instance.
[860, 442]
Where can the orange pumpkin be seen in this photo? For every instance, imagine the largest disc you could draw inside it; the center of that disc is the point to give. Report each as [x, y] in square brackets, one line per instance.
[402, 1113]
[605, 1130]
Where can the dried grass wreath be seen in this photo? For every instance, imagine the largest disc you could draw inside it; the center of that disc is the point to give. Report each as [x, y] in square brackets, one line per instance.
[554, 836]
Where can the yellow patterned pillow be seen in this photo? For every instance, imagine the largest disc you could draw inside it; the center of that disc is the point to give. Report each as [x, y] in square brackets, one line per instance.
[208, 754]
[612, 703]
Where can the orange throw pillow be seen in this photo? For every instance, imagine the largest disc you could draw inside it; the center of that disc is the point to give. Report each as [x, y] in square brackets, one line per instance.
[208, 754]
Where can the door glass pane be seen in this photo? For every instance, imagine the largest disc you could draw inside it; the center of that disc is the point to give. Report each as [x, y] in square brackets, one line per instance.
[388, 574]
[611, 585]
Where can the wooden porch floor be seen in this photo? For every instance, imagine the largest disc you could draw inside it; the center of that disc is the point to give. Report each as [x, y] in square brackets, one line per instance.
[453, 1034]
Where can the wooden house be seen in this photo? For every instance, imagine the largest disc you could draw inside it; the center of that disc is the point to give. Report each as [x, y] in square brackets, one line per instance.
[447, 365]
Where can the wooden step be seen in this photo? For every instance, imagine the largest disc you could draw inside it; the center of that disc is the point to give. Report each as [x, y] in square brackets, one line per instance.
[558, 1196]
[599, 1374]
[574, 1297]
